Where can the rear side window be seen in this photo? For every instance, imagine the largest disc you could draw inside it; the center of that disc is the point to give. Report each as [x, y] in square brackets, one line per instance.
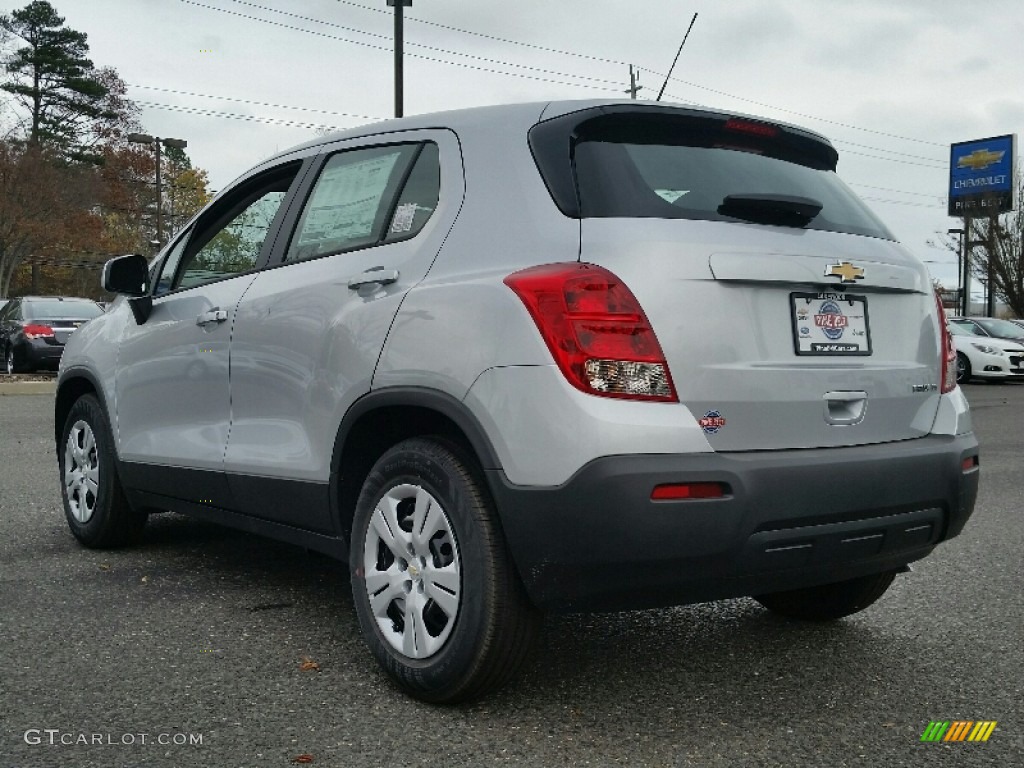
[364, 197]
[712, 167]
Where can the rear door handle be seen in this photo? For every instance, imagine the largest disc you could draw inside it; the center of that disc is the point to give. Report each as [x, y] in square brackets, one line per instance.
[377, 275]
[215, 315]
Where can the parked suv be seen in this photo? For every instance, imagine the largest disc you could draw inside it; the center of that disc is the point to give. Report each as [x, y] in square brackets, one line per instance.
[563, 356]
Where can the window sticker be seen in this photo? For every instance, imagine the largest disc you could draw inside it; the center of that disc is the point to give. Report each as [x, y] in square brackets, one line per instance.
[404, 215]
[346, 199]
[670, 195]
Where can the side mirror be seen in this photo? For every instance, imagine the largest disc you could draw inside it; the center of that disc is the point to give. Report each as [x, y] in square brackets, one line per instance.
[129, 276]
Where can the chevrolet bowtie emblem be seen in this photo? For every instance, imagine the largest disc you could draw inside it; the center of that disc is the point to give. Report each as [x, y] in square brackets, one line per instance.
[979, 159]
[846, 271]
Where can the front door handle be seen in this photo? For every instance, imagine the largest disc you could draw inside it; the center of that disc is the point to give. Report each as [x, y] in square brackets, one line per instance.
[215, 315]
[377, 275]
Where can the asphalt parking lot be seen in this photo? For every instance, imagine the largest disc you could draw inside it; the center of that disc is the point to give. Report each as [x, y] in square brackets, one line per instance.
[207, 647]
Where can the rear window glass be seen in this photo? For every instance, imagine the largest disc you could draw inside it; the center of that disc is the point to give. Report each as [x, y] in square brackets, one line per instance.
[55, 309]
[686, 169]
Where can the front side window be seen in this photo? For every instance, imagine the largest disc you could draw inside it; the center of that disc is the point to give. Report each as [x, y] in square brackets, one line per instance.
[356, 202]
[229, 238]
[235, 248]
[170, 266]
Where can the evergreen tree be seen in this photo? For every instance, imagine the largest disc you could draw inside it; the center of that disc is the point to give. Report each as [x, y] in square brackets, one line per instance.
[53, 79]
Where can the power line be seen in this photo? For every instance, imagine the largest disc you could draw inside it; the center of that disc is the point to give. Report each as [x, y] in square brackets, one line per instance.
[792, 111]
[604, 60]
[903, 202]
[235, 116]
[254, 103]
[434, 48]
[420, 55]
[492, 37]
[900, 191]
[894, 159]
[510, 64]
[932, 163]
[894, 152]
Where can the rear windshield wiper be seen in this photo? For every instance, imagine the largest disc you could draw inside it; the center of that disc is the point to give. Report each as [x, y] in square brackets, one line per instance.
[783, 210]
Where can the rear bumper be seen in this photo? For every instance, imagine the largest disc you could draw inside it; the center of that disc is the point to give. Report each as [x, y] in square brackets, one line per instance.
[791, 519]
[39, 353]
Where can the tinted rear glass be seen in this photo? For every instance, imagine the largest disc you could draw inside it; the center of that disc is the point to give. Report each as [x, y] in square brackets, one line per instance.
[55, 309]
[661, 167]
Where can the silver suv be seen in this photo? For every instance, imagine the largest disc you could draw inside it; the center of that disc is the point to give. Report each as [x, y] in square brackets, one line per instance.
[561, 356]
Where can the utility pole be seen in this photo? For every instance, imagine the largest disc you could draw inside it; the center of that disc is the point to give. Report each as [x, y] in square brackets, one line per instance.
[990, 245]
[967, 267]
[156, 142]
[634, 77]
[399, 43]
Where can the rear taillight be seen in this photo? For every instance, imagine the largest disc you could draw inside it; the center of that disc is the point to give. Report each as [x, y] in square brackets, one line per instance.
[596, 330]
[33, 331]
[948, 370]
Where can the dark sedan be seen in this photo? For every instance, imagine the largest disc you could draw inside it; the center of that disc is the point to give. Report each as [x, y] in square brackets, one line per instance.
[33, 329]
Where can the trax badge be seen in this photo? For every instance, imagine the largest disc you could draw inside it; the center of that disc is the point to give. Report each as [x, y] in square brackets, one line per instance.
[712, 422]
[846, 271]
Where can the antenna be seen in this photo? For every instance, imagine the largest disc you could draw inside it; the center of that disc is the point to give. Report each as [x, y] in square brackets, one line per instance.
[676, 58]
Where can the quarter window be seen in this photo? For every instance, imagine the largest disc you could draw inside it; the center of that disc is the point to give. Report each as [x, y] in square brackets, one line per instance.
[419, 196]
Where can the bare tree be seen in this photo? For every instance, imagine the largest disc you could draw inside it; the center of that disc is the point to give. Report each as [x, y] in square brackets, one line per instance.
[996, 253]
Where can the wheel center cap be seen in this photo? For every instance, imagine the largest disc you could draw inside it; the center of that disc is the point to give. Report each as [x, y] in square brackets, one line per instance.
[414, 571]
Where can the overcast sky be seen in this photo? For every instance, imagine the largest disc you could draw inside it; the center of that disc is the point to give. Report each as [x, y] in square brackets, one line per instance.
[891, 82]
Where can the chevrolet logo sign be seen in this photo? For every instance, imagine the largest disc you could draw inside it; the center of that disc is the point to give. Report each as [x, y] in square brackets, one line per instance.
[980, 159]
[846, 271]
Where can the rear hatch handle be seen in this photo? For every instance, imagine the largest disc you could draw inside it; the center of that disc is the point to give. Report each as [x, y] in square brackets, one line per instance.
[845, 408]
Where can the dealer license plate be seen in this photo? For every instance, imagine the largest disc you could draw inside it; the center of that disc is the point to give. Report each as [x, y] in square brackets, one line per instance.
[830, 324]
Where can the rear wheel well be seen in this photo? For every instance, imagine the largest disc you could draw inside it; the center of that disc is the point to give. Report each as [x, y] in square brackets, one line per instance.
[373, 434]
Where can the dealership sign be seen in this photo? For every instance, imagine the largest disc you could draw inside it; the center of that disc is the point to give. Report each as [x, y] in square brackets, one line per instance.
[981, 176]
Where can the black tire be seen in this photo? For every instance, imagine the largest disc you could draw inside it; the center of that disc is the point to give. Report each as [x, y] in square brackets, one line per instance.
[963, 368]
[11, 364]
[829, 601]
[486, 638]
[97, 512]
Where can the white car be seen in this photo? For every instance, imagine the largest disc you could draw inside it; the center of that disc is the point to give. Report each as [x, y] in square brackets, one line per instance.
[983, 357]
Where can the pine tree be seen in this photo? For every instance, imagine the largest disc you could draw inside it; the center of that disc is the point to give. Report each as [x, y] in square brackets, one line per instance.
[53, 79]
